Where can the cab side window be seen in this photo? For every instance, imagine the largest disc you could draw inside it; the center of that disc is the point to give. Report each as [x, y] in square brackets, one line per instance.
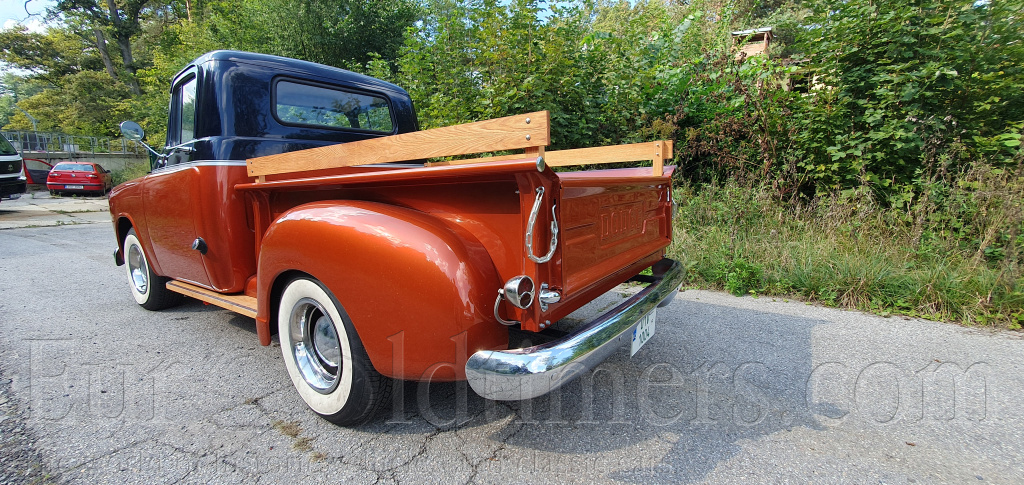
[188, 111]
[183, 113]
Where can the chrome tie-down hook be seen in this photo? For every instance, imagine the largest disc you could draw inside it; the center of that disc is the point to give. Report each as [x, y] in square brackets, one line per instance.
[530, 226]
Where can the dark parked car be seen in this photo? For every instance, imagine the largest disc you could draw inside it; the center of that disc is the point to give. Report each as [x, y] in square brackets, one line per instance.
[79, 177]
[12, 171]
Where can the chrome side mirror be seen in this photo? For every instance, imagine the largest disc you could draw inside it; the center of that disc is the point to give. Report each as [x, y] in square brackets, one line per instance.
[134, 132]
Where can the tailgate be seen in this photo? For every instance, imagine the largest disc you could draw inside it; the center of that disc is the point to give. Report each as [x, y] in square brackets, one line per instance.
[611, 221]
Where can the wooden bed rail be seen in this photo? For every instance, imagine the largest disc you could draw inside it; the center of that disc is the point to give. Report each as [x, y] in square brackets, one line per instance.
[655, 151]
[530, 132]
[526, 131]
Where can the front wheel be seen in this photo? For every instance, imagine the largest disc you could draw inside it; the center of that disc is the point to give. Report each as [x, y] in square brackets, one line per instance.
[325, 359]
[148, 288]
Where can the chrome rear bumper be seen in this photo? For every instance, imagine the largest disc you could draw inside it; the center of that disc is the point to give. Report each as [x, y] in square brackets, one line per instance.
[515, 374]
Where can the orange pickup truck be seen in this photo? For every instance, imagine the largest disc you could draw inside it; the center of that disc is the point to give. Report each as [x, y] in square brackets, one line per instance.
[304, 196]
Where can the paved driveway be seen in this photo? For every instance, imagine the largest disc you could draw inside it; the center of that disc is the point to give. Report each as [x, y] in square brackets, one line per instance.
[38, 208]
[98, 390]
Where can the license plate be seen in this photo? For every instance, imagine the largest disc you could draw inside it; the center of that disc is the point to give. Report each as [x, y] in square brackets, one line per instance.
[643, 332]
[74, 187]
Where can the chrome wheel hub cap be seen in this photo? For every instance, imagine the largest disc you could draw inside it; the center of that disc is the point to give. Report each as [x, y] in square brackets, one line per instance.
[137, 269]
[315, 345]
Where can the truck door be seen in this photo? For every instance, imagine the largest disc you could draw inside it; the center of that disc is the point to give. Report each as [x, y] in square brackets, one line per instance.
[170, 192]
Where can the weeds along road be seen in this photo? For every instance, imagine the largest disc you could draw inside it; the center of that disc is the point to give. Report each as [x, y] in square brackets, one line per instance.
[98, 390]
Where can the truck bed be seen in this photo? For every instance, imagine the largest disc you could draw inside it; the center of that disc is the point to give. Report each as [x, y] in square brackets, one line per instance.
[611, 223]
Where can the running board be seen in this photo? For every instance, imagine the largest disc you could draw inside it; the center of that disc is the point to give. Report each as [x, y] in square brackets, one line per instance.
[236, 302]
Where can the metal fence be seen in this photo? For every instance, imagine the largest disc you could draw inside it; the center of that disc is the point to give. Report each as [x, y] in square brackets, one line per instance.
[38, 141]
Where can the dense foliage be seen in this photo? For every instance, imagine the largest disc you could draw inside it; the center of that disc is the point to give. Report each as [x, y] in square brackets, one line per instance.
[909, 87]
[896, 91]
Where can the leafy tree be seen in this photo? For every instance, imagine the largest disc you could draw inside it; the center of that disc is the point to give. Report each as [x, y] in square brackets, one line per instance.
[12, 89]
[122, 18]
[66, 88]
[48, 56]
[85, 90]
[66, 109]
[332, 32]
[599, 69]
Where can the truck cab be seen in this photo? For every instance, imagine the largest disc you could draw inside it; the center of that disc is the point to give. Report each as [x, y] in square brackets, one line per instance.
[227, 107]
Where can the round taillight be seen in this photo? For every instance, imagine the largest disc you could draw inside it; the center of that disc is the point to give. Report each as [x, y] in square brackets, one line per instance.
[519, 291]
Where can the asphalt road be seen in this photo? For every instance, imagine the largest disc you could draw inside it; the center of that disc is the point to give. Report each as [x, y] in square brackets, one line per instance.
[98, 390]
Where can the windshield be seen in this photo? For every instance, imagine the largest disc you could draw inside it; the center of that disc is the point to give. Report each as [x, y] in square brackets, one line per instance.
[73, 167]
[6, 148]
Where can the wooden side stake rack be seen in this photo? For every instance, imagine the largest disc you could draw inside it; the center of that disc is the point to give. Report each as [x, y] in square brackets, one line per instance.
[530, 132]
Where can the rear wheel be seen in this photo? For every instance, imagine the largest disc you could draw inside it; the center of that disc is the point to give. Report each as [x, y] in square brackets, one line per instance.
[148, 288]
[324, 357]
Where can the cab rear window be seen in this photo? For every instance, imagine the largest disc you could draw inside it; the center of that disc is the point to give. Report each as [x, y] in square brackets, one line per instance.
[307, 104]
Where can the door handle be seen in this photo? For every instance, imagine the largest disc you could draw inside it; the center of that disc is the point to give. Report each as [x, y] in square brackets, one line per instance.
[200, 245]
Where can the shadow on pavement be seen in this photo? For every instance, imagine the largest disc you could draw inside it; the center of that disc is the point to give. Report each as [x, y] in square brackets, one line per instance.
[684, 400]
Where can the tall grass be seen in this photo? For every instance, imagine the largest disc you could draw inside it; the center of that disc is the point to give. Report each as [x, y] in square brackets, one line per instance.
[947, 249]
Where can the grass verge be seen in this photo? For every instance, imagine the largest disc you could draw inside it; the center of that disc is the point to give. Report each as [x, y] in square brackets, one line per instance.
[949, 253]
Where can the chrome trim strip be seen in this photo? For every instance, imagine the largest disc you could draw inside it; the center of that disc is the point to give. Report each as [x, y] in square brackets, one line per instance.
[201, 163]
[217, 163]
[516, 374]
[195, 283]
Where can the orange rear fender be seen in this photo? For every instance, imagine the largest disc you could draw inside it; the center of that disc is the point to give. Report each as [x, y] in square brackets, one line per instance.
[419, 295]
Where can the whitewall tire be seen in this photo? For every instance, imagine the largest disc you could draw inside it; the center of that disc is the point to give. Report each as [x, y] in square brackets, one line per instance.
[148, 288]
[325, 359]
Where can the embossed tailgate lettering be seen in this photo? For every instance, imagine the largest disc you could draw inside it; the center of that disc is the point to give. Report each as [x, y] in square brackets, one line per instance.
[621, 221]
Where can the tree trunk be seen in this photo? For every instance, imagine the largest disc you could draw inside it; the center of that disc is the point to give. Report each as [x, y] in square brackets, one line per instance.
[124, 43]
[101, 44]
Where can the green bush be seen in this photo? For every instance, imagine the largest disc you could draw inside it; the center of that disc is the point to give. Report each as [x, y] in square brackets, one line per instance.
[742, 277]
[909, 87]
[131, 171]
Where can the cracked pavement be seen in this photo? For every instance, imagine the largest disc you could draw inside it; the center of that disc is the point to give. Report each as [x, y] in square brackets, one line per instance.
[729, 389]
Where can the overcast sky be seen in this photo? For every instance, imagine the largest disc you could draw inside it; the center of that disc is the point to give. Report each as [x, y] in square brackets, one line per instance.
[13, 11]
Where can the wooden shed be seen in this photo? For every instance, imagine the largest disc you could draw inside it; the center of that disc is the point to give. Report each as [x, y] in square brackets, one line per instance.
[752, 42]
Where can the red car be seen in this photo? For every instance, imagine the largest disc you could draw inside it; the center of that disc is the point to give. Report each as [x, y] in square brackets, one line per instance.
[79, 177]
